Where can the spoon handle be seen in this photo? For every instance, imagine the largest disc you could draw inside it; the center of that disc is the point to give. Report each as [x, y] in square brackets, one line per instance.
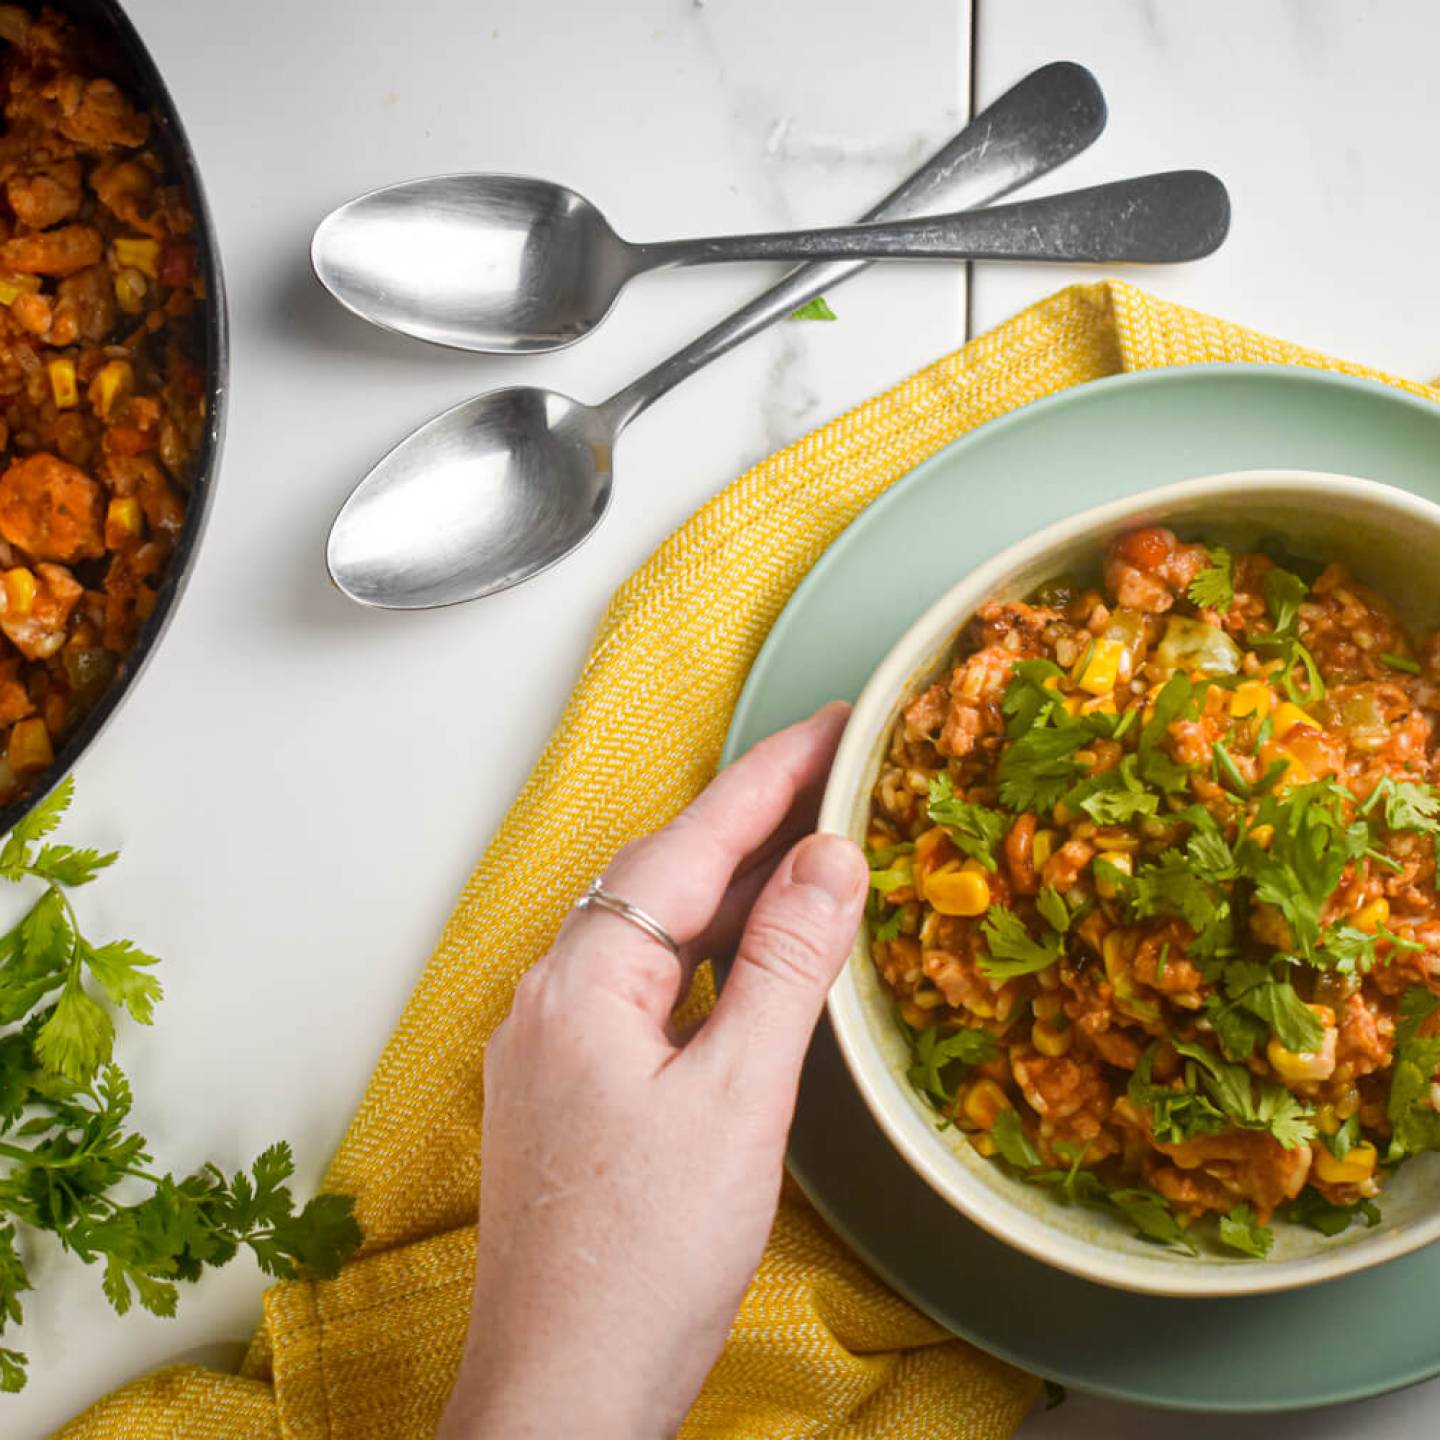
[1177, 215]
[1051, 115]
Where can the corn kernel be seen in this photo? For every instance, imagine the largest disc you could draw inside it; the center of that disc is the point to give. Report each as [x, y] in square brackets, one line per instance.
[1371, 917]
[122, 521]
[914, 1016]
[984, 1144]
[62, 384]
[114, 380]
[1111, 843]
[19, 591]
[1327, 1122]
[983, 1102]
[1053, 1043]
[142, 255]
[12, 287]
[1042, 847]
[1358, 1164]
[1318, 1064]
[1100, 705]
[1072, 704]
[958, 892]
[1102, 668]
[29, 746]
[1288, 716]
[1262, 835]
[1105, 884]
[1251, 698]
[928, 999]
[1051, 682]
[130, 288]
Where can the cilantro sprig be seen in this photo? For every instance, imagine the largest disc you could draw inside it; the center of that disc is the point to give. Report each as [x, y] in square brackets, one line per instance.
[1214, 586]
[974, 829]
[68, 1155]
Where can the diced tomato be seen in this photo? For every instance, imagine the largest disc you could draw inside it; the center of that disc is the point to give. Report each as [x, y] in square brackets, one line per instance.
[1145, 549]
[176, 267]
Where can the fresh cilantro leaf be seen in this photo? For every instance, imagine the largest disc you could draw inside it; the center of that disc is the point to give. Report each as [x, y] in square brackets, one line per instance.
[1170, 886]
[1414, 1122]
[1039, 767]
[1284, 591]
[1214, 587]
[1115, 796]
[1240, 1231]
[1351, 951]
[1276, 1002]
[1400, 662]
[1152, 1217]
[888, 928]
[12, 1371]
[1028, 700]
[941, 1060]
[1233, 1089]
[1410, 806]
[1155, 766]
[67, 866]
[1012, 951]
[1312, 1209]
[1207, 850]
[1013, 1143]
[1237, 1029]
[1177, 1114]
[1345, 1139]
[321, 1237]
[76, 1039]
[974, 829]
[896, 876]
[816, 309]
[118, 967]
[1053, 909]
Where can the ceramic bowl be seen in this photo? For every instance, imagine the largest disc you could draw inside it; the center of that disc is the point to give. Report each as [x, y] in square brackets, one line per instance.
[1388, 538]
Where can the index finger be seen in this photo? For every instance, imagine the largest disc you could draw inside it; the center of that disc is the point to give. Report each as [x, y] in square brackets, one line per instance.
[679, 874]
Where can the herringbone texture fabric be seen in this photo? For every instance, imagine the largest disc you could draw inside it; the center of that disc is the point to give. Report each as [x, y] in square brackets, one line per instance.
[820, 1348]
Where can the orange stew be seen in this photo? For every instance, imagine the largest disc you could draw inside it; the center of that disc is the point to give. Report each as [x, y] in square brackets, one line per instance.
[102, 386]
[1154, 888]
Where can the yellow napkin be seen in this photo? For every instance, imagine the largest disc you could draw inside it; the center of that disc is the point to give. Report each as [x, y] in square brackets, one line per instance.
[820, 1347]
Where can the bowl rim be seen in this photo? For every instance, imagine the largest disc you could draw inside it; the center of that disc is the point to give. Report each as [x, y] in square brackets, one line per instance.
[899, 1119]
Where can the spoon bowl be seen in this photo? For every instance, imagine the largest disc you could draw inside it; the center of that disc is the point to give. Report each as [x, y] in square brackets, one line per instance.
[483, 497]
[497, 263]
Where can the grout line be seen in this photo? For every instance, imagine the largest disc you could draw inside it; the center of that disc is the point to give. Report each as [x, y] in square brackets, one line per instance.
[974, 71]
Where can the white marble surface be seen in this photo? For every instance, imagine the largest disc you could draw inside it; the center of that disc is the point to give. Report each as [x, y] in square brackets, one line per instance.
[301, 787]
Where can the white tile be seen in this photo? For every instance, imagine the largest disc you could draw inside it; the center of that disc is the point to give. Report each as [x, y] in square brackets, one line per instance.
[1318, 114]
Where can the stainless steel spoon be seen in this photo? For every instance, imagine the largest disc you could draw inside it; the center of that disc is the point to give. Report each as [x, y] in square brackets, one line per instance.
[506, 264]
[502, 486]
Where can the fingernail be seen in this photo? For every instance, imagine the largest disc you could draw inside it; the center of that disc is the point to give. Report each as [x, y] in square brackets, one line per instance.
[828, 863]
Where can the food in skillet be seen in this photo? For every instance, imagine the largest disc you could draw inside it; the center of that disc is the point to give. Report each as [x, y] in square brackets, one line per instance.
[1154, 887]
[101, 382]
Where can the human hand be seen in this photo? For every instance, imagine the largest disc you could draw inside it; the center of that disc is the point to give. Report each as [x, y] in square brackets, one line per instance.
[629, 1176]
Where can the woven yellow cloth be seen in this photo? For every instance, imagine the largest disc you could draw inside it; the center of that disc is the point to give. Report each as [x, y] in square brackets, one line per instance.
[820, 1347]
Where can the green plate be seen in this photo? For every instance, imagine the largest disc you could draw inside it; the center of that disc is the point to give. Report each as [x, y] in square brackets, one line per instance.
[1345, 1340]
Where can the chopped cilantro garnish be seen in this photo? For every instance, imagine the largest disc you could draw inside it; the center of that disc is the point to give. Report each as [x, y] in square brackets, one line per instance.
[1414, 1122]
[1053, 909]
[1155, 766]
[1152, 1217]
[1400, 662]
[1229, 773]
[1029, 701]
[1345, 1139]
[1012, 1141]
[1115, 796]
[1177, 1113]
[1214, 587]
[1038, 768]
[1012, 951]
[816, 309]
[1240, 1231]
[942, 1060]
[888, 928]
[975, 829]
[1293, 1023]
[1263, 1107]
[1312, 1209]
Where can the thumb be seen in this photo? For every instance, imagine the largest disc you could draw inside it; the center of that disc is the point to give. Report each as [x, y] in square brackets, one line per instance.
[797, 937]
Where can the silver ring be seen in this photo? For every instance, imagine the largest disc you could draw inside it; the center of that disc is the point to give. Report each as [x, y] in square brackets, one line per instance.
[597, 897]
